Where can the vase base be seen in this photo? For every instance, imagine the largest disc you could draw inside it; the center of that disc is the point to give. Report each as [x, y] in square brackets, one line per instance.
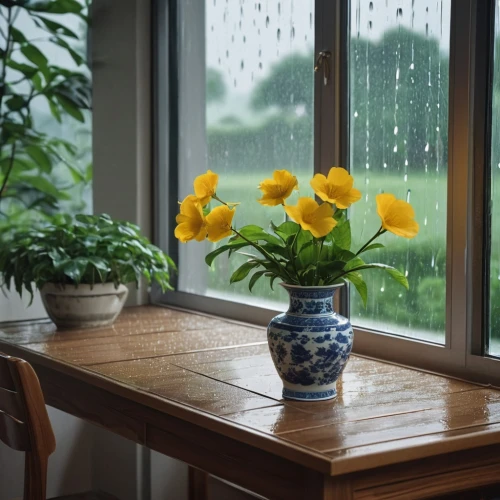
[309, 396]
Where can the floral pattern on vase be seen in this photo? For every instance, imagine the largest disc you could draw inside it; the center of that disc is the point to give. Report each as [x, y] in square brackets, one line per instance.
[310, 343]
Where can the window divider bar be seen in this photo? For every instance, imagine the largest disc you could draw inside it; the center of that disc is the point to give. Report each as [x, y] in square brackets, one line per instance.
[458, 172]
[480, 175]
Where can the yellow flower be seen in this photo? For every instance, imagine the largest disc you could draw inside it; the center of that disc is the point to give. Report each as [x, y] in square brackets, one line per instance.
[191, 222]
[397, 216]
[336, 188]
[276, 190]
[312, 217]
[205, 186]
[219, 223]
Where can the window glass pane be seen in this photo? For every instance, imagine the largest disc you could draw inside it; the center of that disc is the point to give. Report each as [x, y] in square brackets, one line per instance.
[399, 74]
[493, 347]
[45, 121]
[258, 117]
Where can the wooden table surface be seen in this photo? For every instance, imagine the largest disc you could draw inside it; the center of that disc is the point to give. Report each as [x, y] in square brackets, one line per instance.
[204, 390]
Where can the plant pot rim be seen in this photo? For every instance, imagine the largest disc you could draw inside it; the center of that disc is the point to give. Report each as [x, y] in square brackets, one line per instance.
[84, 286]
[311, 287]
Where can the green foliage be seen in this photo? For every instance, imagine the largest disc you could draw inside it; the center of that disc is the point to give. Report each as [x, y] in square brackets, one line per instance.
[296, 257]
[29, 156]
[216, 88]
[89, 250]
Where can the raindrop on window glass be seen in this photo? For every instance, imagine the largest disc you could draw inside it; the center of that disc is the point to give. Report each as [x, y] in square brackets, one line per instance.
[267, 22]
[278, 34]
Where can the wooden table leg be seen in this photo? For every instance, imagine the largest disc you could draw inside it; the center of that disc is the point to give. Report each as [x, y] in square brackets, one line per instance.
[197, 484]
[330, 488]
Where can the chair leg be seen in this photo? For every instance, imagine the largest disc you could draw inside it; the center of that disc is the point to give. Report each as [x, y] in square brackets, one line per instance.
[35, 477]
[197, 484]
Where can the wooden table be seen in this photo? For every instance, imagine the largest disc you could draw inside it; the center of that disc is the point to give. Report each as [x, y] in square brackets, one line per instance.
[204, 390]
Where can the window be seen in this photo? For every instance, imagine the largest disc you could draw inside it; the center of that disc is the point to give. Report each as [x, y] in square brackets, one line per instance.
[399, 79]
[405, 108]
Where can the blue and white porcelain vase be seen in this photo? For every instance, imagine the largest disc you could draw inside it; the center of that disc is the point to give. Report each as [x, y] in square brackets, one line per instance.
[310, 343]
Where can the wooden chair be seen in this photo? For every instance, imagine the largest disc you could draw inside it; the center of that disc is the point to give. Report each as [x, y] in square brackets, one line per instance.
[25, 426]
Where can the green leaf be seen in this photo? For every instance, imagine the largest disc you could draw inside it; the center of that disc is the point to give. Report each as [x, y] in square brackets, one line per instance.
[41, 184]
[69, 106]
[75, 269]
[55, 6]
[398, 276]
[342, 235]
[15, 103]
[26, 69]
[57, 28]
[356, 279]
[54, 109]
[74, 55]
[255, 277]
[242, 272]
[40, 157]
[328, 268]
[254, 234]
[34, 55]
[286, 229]
[209, 258]
[17, 35]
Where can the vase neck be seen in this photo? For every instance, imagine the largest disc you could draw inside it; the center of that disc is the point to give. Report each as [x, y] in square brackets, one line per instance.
[310, 301]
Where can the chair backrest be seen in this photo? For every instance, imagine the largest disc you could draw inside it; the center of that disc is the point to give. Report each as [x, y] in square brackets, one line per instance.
[24, 422]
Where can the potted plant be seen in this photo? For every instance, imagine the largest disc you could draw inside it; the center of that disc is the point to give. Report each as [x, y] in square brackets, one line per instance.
[81, 267]
[311, 255]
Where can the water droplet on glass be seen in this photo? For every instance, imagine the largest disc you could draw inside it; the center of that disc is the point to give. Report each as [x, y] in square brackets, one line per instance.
[396, 130]
[405, 178]
[397, 74]
[278, 34]
[395, 149]
[412, 66]
[292, 33]
[382, 289]
[367, 166]
[427, 29]
[371, 6]
[437, 129]
[408, 195]
[279, 8]
[260, 65]
[370, 25]
[291, 137]
[267, 22]
[242, 65]
[258, 8]
[385, 165]
[227, 53]
[399, 12]
[244, 39]
[425, 221]
[356, 115]
[426, 147]
[437, 205]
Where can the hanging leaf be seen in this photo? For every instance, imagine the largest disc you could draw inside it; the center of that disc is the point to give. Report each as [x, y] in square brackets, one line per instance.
[356, 279]
[40, 157]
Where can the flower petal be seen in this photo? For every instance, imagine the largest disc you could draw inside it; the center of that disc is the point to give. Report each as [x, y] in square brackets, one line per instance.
[347, 199]
[277, 189]
[219, 223]
[205, 186]
[191, 222]
[397, 216]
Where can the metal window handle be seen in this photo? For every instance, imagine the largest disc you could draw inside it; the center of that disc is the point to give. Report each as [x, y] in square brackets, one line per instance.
[323, 60]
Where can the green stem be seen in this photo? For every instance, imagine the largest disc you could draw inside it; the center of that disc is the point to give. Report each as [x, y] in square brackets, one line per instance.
[376, 235]
[264, 252]
[318, 255]
[293, 256]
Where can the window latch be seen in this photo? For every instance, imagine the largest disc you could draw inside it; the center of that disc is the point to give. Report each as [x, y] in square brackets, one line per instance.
[323, 61]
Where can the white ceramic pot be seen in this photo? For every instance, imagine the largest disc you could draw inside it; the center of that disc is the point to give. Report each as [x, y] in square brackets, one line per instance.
[83, 306]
